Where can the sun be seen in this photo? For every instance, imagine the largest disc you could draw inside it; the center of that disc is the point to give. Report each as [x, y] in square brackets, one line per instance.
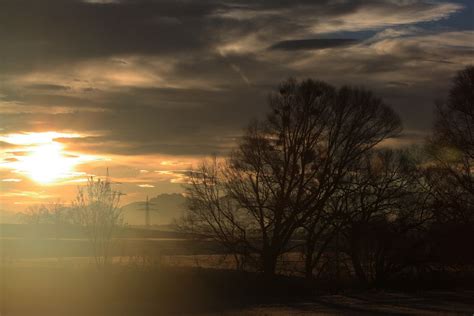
[42, 158]
[46, 163]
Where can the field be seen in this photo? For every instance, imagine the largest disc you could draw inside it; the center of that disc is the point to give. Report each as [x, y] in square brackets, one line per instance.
[162, 273]
[59, 290]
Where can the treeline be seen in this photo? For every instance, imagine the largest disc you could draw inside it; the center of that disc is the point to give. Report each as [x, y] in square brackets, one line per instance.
[318, 178]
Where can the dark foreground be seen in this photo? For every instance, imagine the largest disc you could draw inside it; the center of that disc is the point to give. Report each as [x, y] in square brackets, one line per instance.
[164, 291]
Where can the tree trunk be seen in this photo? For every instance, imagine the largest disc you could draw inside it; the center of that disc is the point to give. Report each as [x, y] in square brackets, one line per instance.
[308, 262]
[269, 261]
[359, 271]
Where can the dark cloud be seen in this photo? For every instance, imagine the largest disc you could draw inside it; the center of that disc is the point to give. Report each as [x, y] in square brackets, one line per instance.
[184, 77]
[398, 83]
[147, 120]
[48, 87]
[314, 43]
[157, 84]
[42, 33]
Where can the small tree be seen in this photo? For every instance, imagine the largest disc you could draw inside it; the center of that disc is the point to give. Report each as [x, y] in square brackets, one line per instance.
[35, 215]
[97, 210]
[54, 213]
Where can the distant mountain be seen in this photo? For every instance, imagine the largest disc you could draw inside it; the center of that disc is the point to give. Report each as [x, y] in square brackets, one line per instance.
[163, 209]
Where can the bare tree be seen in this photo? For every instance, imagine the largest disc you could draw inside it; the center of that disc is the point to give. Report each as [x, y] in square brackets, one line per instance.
[54, 213]
[286, 167]
[452, 149]
[97, 210]
[357, 121]
[36, 214]
[383, 207]
[449, 174]
[213, 214]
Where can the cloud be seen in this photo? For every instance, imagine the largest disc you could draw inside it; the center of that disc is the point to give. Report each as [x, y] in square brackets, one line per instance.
[62, 33]
[26, 194]
[101, 1]
[11, 180]
[407, 138]
[335, 16]
[149, 81]
[311, 44]
[376, 15]
[146, 186]
[48, 87]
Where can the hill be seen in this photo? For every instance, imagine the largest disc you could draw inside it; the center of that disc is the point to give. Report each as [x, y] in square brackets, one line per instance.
[164, 208]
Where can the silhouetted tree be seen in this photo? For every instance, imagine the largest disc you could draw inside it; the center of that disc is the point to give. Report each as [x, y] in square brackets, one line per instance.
[383, 209]
[452, 147]
[211, 213]
[450, 173]
[356, 123]
[286, 167]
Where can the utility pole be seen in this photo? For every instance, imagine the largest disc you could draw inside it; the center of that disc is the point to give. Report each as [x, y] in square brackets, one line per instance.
[147, 207]
[147, 213]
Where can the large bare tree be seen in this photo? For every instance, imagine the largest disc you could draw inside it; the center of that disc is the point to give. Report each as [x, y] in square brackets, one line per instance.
[286, 167]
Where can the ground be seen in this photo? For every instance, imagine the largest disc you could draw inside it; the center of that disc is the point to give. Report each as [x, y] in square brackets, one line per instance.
[164, 273]
[125, 290]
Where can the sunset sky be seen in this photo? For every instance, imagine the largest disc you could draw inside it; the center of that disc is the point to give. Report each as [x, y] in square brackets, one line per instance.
[147, 88]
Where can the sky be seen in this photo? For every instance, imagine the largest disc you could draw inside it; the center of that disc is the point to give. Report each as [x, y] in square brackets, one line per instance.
[147, 88]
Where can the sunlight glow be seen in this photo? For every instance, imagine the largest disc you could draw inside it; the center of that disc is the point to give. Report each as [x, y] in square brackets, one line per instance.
[35, 138]
[46, 163]
[42, 158]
